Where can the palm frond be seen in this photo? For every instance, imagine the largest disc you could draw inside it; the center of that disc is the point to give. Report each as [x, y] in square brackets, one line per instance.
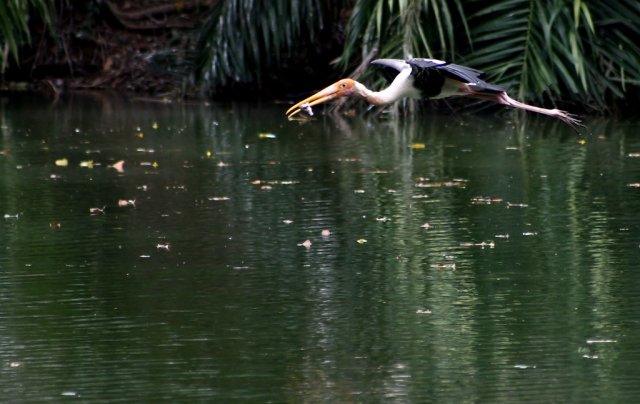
[576, 49]
[245, 37]
[14, 25]
[403, 28]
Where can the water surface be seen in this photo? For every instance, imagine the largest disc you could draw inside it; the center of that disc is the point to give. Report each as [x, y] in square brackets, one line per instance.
[241, 257]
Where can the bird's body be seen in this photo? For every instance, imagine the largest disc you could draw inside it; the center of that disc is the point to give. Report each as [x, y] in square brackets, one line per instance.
[424, 79]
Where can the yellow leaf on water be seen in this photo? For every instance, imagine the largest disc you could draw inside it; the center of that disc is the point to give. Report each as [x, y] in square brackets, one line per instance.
[417, 145]
[154, 125]
[361, 241]
[62, 162]
[86, 164]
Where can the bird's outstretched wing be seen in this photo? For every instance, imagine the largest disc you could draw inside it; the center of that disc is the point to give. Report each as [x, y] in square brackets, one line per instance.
[429, 74]
[464, 74]
[389, 67]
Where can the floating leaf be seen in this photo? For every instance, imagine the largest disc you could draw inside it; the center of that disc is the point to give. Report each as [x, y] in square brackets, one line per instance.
[417, 145]
[86, 164]
[62, 162]
[118, 166]
[96, 211]
[361, 241]
[126, 202]
[305, 244]
[266, 135]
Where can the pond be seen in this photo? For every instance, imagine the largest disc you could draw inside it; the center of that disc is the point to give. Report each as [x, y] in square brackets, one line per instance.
[191, 252]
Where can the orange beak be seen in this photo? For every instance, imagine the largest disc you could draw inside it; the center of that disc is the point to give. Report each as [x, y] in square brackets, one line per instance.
[342, 88]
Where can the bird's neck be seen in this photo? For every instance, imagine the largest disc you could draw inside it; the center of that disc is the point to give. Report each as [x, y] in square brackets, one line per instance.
[400, 87]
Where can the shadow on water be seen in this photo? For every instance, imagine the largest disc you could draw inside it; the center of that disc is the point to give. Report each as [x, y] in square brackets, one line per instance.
[241, 256]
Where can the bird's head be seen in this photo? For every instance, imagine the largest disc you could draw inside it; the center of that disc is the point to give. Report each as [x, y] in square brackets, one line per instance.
[342, 88]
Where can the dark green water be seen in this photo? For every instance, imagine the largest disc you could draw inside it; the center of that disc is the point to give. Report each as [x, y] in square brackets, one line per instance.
[439, 259]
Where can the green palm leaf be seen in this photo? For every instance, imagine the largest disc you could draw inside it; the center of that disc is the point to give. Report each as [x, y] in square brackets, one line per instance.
[14, 25]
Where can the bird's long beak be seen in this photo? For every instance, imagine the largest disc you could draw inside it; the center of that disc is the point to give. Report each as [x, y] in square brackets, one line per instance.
[332, 92]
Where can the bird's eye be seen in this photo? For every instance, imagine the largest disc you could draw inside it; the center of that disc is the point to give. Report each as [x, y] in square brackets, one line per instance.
[343, 85]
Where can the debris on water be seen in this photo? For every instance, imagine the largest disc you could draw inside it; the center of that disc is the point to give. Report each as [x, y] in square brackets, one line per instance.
[423, 311]
[485, 200]
[287, 221]
[209, 154]
[383, 219]
[15, 364]
[634, 185]
[451, 266]
[86, 164]
[266, 135]
[517, 205]
[633, 154]
[11, 216]
[154, 125]
[306, 244]
[601, 341]
[97, 211]
[218, 198]
[55, 225]
[501, 236]
[439, 184]
[417, 146]
[529, 233]
[163, 246]
[118, 166]
[325, 233]
[62, 162]
[426, 226]
[361, 241]
[521, 366]
[484, 244]
[153, 164]
[126, 202]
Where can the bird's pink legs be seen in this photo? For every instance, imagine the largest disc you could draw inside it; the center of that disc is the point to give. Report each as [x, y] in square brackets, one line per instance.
[504, 99]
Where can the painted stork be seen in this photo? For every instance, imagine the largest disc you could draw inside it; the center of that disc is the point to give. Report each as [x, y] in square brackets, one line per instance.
[425, 78]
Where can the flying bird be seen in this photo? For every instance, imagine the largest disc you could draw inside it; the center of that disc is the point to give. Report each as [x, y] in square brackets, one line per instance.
[421, 78]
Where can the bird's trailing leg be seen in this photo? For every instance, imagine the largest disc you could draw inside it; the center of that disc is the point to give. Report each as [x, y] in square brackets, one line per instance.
[504, 99]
